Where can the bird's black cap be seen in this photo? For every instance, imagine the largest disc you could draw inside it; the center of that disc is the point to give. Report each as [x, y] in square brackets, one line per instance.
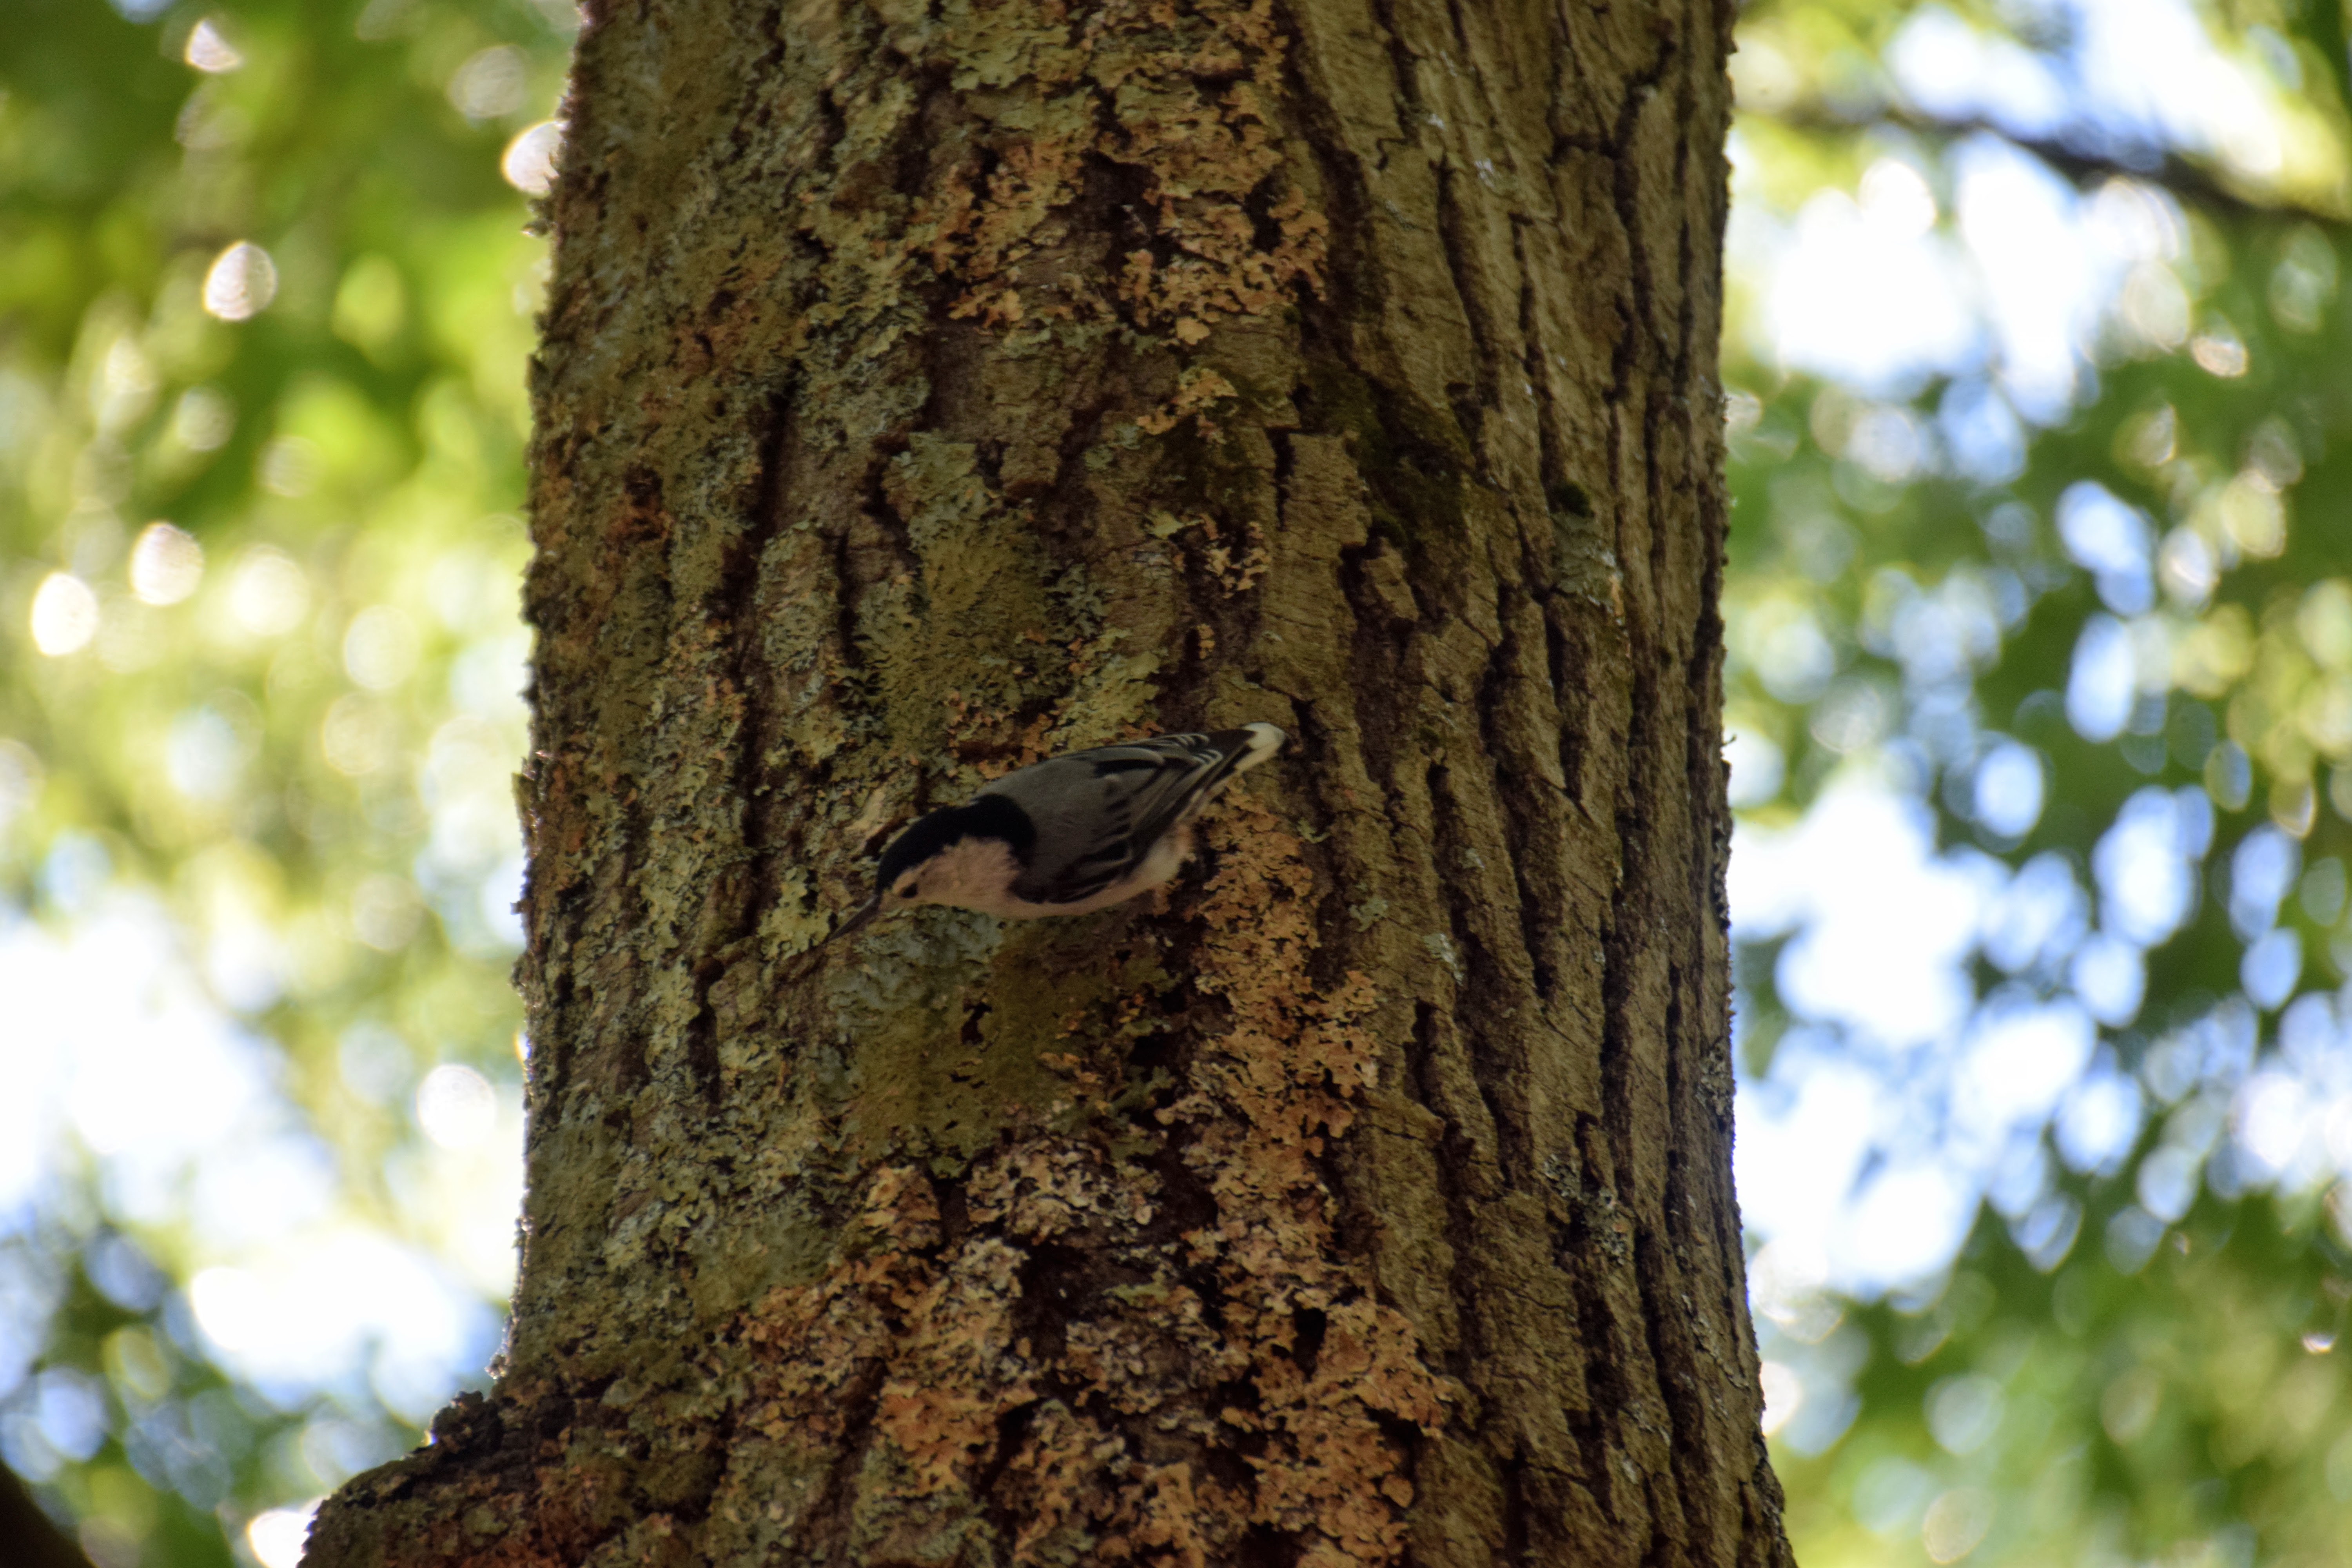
[986, 816]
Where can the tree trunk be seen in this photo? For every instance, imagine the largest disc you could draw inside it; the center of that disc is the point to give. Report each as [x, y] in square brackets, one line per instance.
[931, 386]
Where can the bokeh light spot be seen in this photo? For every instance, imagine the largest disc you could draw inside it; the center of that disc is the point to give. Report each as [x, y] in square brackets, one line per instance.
[1757, 764]
[1784, 1395]
[531, 159]
[387, 912]
[166, 565]
[2271, 967]
[490, 83]
[269, 593]
[207, 748]
[2219, 353]
[380, 648]
[21, 775]
[457, 1107]
[2007, 788]
[230, 1306]
[241, 282]
[204, 418]
[2250, 513]
[279, 1535]
[208, 51]
[65, 614]
[1963, 1412]
[289, 466]
[1956, 1524]
[357, 736]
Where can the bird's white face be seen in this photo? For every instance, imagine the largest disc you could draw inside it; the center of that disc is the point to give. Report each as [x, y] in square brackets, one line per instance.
[970, 874]
[906, 891]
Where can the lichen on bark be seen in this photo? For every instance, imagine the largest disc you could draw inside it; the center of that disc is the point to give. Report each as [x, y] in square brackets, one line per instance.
[1176, 1273]
[931, 388]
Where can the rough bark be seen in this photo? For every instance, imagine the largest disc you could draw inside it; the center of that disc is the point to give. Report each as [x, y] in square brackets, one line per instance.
[930, 385]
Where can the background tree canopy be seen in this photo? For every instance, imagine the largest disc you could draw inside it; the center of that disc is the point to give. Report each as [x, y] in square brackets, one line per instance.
[2040, 689]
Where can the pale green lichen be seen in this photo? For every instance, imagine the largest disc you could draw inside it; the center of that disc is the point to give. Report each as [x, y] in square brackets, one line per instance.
[960, 642]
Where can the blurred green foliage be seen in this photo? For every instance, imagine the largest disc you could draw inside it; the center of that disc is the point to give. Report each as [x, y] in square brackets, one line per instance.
[2090, 1383]
[257, 568]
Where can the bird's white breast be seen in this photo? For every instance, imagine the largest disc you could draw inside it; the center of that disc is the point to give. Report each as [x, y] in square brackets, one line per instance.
[970, 874]
[977, 874]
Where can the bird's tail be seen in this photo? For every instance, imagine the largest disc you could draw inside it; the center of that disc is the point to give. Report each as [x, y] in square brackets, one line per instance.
[1241, 750]
[1262, 740]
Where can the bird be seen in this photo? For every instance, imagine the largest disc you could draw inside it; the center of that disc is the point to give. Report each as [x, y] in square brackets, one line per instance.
[1066, 835]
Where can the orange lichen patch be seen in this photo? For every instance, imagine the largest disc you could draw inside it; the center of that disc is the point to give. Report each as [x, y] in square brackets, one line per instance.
[955, 1374]
[820, 1337]
[1269, 1092]
[1167, 1517]
[1053, 1483]
[984, 235]
[1198, 390]
[1040, 1191]
[1157, 1340]
[1177, 93]
[1239, 570]
[1235, 564]
[1336, 1473]
[901, 1205]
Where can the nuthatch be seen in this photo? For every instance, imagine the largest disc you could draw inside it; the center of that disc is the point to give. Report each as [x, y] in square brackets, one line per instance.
[1068, 835]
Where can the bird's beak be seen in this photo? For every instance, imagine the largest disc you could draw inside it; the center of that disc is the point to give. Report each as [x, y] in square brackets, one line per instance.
[807, 959]
[857, 921]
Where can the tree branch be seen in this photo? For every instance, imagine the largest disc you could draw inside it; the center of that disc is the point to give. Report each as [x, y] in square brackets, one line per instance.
[2083, 166]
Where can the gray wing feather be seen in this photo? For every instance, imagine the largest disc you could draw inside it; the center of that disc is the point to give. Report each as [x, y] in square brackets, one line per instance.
[1099, 813]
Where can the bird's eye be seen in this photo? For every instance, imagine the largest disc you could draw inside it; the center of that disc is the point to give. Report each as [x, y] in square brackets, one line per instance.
[906, 888]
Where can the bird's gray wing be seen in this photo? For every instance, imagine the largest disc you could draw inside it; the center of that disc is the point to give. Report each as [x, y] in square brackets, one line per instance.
[1099, 813]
